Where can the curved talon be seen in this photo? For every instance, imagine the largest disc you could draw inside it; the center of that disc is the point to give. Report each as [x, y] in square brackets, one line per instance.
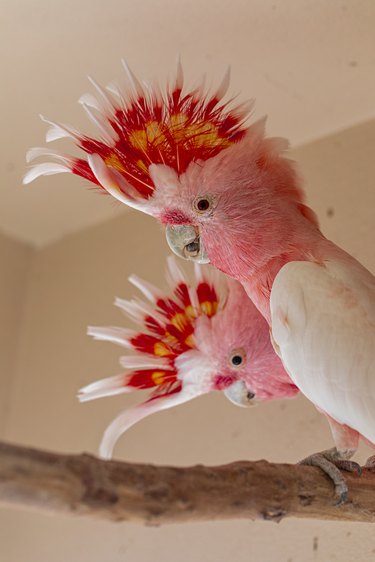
[342, 499]
[349, 466]
[329, 467]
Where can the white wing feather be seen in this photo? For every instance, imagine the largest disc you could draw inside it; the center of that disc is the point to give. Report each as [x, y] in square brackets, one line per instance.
[323, 322]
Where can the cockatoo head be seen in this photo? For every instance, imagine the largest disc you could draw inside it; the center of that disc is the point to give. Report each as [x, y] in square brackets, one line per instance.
[206, 336]
[186, 158]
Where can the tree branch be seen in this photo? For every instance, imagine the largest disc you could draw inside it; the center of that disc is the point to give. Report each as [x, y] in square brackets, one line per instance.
[85, 485]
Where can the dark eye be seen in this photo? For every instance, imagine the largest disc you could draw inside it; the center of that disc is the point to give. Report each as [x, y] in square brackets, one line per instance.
[202, 204]
[237, 357]
[236, 360]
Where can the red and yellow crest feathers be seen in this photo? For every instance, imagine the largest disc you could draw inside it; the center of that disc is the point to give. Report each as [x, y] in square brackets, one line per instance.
[169, 332]
[174, 128]
[151, 378]
[145, 126]
[175, 335]
[165, 339]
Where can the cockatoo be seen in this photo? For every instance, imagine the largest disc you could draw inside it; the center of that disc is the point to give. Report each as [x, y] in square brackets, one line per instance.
[206, 336]
[227, 195]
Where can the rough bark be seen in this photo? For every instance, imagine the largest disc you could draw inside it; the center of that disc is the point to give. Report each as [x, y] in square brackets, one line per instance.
[84, 485]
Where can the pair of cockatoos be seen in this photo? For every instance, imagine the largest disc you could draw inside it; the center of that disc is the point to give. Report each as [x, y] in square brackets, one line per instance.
[228, 196]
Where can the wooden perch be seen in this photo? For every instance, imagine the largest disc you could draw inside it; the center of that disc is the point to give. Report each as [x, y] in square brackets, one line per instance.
[119, 491]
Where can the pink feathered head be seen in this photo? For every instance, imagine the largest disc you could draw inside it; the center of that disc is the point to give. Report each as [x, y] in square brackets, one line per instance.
[205, 336]
[185, 157]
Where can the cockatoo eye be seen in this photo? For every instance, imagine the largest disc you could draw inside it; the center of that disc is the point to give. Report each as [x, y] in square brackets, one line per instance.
[237, 358]
[202, 204]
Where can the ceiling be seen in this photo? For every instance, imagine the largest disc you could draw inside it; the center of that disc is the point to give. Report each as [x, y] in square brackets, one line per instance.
[309, 64]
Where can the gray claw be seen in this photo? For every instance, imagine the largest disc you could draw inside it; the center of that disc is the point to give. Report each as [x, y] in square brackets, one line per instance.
[342, 499]
[349, 466]
[328, 466]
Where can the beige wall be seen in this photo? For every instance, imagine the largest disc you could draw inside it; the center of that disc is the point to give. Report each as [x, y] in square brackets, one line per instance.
[72, 284]
[15, 259]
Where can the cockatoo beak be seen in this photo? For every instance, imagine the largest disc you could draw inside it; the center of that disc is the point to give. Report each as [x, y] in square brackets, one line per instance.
[239, 394]
[185, 242]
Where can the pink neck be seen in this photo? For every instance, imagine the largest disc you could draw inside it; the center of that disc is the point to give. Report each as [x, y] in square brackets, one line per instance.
[261, 243]
[258, 285]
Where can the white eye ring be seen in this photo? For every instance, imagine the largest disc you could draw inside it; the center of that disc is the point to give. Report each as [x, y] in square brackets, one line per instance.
[202, 204]
[237, 358]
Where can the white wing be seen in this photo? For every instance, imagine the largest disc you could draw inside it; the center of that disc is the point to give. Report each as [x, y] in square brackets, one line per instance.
[323, 321]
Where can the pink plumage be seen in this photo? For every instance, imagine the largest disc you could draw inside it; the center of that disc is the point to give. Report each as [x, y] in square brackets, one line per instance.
[242, 209]
[207, 335]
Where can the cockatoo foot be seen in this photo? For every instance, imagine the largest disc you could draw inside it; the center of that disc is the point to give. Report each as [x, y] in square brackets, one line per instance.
[331, 461]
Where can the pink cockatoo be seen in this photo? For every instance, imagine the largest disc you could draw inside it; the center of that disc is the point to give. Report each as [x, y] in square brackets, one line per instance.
[228, 195]
[206, 336]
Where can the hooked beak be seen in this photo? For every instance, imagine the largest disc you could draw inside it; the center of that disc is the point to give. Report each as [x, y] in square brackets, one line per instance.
[239, 394]
[185, 242]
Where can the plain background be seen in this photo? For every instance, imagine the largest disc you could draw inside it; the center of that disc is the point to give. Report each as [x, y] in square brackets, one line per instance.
[65, 253]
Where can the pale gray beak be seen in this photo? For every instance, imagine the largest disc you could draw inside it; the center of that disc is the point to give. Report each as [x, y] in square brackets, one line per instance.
[239, 394]
[185, 242]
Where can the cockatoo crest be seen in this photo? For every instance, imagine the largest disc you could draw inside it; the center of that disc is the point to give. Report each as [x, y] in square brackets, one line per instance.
[145, 126]
[163, 350]
[167, 332]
